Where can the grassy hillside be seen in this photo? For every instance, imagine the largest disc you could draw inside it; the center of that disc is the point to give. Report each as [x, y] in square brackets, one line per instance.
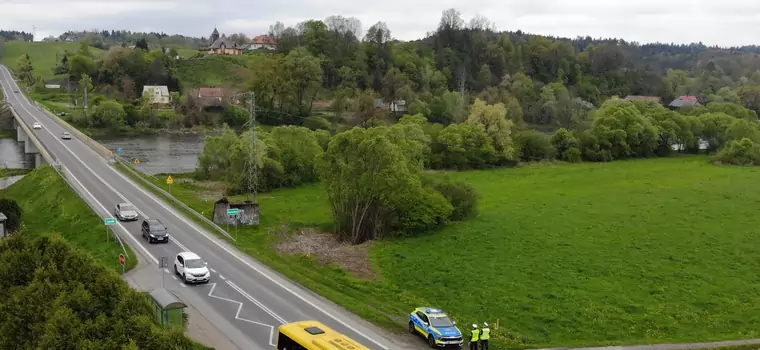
[43, 55]
[212, 71]
[51, 206]
[630, 252]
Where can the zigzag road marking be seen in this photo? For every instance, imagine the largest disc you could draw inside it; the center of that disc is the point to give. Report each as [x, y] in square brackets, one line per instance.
[237, 314]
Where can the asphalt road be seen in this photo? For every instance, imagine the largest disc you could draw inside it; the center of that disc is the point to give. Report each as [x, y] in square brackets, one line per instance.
[245, 300]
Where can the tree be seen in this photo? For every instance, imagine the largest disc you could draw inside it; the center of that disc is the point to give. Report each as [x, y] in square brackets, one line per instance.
[494, 119]
[109, 114]
[142, 44]
[86, 84]
[48, 302]
[374, 185]
[25, 70]
[79, 65]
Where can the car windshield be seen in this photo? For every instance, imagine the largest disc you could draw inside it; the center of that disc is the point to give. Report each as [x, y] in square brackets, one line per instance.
[157, 228]
[127, 207]
[441, 322]
[193, 263]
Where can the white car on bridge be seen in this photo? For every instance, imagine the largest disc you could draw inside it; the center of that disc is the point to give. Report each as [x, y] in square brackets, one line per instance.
[36, 126]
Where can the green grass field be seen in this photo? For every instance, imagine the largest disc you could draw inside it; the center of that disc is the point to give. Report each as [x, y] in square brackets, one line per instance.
[45, 56]
[629, 252]
[50, 206]
[212, 71]
[13, 172]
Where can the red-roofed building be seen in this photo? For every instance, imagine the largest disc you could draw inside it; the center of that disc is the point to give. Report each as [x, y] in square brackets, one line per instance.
[263, 42]
[685, 101]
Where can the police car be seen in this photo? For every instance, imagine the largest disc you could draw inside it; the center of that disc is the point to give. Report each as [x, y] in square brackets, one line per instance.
[436, 326]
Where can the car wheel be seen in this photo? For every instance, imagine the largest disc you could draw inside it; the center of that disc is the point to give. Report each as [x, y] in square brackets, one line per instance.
[184, 278]
[176, 272]
[431, 341]
[411, 328]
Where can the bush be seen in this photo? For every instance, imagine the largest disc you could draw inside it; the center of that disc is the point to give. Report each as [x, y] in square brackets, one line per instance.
[534, 146]
[739, 152]
[317, 123]
[13, 212]
[462, 197]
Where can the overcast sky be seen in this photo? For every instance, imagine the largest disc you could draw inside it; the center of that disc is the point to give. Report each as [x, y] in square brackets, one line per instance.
[724, 22]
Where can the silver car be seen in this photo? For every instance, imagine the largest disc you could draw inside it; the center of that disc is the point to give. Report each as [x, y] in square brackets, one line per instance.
[125, 212]
[66, 135]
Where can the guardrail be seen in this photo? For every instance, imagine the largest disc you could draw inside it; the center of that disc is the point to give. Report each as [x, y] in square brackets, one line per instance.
[92, 202]
[95, 145]
[31, 136]
[128, 165]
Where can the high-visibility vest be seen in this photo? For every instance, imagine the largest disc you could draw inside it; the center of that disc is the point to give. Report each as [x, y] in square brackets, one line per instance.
[484, 334]
[475, 335]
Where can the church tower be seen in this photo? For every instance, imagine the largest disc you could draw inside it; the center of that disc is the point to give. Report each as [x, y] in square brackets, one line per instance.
[214, 36]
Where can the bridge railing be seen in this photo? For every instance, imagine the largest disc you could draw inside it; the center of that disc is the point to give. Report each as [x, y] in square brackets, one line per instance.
[190, 210]
[33, 137]
[94, 145]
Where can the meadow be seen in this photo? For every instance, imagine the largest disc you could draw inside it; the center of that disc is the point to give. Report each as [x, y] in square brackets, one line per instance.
[628, 252]
[212, 71]
[45, 56]
[51, 207]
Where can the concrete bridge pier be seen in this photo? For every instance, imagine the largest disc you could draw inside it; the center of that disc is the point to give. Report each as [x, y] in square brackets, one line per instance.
[29, 147]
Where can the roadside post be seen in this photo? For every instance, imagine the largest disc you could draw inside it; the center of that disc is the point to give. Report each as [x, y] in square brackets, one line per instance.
[123, 262]
[233, 214]
[163, 263]
[137, 161]
[109, 222]
[169, 181]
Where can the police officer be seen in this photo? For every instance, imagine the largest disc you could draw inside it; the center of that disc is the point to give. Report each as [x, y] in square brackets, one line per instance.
[485, 334]
[474, 337]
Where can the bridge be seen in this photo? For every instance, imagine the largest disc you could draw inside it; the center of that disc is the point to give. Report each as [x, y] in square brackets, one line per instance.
[245, 300]
[32, 145]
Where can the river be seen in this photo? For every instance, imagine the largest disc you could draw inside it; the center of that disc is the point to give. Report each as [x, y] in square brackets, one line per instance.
[160, 154]
[12, 155]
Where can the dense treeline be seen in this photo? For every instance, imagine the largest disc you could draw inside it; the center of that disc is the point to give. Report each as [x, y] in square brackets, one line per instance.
[14, 35]
[48, 303]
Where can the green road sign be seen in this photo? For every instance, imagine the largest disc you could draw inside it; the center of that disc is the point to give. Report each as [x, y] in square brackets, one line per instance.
[233, 211]
[110, 221]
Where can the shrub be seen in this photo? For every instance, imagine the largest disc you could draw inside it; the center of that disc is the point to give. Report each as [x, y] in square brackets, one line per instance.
[534, 146]
[462, 197]
[13, 212]
[317, 123]
[739, 152]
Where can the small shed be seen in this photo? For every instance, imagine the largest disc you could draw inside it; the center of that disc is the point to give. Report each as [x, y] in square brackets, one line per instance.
[248, 212]
[3, 219]
[167, 304]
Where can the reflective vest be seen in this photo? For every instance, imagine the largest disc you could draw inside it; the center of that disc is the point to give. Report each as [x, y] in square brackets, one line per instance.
[475, 335]
[484, 334]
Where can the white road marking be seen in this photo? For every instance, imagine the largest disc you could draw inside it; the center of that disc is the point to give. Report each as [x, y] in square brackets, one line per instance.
[183, 285]
[237, 314]
[204, 234]
[108, 213]
[175, 277]
[212, 270]
[260, 305]
[166, 270]
[222, 277]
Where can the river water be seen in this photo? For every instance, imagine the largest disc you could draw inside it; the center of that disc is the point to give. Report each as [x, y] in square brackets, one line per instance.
[12, 155]
[160, 154]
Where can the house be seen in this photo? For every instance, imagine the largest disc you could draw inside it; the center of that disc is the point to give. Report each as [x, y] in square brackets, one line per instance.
[159, 94]
[654, 99]
[685, 101]
[262, 42]
[221, 45]
[398, 106]
[209, 97]
[379, 103]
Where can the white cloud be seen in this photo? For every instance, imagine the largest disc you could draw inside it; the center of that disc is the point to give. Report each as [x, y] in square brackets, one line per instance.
[727, 22]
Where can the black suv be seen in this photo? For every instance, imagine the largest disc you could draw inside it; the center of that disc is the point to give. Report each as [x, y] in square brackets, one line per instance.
[155, 231]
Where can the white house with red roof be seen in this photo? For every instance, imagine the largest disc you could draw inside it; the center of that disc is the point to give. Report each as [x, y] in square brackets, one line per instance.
[265, 42]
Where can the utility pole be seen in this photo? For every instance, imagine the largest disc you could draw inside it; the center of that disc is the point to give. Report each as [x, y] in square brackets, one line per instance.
[252, 171]
[251, 163]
